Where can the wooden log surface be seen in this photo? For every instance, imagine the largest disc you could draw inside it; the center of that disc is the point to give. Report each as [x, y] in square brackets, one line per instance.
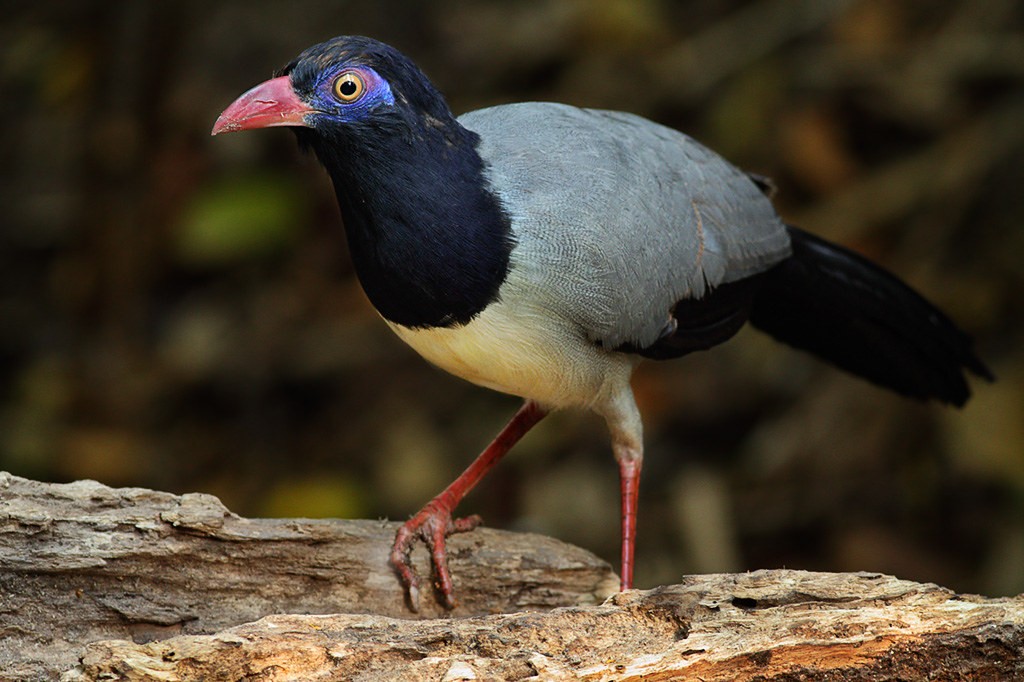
[767, 625]
[132, 584]
[82, 562]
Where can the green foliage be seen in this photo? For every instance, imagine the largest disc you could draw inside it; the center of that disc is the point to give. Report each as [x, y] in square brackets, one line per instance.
[320, 497]
[240, 218]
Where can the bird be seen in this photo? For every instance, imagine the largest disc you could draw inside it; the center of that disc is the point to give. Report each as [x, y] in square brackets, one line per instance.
[545, 250]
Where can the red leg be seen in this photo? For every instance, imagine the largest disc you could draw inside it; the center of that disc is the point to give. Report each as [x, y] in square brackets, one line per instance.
[627, 444]
[629, 478]
[434, 522]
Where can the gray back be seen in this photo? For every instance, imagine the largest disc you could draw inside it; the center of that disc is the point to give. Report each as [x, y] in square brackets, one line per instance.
[618, 218]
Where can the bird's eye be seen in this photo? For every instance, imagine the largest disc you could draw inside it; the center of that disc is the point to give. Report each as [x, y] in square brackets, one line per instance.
[349, 87]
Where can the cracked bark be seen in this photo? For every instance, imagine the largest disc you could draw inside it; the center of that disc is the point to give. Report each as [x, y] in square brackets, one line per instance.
[134, 584]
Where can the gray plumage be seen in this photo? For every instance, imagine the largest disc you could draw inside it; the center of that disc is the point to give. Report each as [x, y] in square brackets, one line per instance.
[618, 218]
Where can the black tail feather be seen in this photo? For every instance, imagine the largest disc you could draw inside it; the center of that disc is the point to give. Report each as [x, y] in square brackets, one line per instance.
[838, 305]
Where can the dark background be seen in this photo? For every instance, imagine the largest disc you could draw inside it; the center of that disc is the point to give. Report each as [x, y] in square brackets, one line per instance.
[179, 312]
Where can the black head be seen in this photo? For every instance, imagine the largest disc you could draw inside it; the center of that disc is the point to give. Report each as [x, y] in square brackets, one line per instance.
[428, 237]
[352, 79]
[340, 90]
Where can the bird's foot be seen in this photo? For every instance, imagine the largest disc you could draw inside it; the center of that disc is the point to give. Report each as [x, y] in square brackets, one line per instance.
[432, 524]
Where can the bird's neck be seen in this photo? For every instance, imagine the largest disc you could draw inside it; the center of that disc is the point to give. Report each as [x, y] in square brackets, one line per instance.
[429, 240]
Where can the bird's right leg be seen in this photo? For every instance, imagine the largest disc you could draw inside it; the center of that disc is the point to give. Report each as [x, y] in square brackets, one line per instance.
[627, 445]
[434, 522]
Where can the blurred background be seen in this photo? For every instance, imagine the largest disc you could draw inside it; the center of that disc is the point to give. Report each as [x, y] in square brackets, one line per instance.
[179, 312]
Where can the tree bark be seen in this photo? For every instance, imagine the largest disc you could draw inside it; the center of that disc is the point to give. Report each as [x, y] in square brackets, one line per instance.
[82, 564]
[767, 625]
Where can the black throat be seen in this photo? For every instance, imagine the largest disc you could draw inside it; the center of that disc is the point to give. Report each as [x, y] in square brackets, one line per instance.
[429, 240]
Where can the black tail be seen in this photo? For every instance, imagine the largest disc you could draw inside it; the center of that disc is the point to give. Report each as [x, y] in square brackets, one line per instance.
[847, 310]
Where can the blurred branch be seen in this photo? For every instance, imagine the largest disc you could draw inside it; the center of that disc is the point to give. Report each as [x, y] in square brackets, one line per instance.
[954, 162]
[744, 36]
[922, 82]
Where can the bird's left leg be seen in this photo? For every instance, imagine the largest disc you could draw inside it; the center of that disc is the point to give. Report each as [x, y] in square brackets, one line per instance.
[434, 522]
[626, 428]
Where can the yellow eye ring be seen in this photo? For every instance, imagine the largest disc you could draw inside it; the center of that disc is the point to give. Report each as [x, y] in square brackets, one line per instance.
[349, 87]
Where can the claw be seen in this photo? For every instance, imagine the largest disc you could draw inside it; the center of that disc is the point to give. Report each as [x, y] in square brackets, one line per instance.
[412, 593]
[433, 524]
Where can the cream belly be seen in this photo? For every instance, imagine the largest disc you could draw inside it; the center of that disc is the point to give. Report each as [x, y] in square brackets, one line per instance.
[513, 351]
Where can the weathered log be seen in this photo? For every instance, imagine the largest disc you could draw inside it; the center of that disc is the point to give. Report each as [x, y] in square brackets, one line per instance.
[83, 562]
[129, 584]
[768, 625]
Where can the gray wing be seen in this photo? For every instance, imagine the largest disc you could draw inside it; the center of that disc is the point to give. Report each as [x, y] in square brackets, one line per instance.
[617, 218]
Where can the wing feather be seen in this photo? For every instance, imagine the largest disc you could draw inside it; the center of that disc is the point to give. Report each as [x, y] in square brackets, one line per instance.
[618, 218]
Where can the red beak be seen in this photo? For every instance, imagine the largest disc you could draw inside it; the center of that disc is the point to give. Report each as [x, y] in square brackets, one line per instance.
[269, 104]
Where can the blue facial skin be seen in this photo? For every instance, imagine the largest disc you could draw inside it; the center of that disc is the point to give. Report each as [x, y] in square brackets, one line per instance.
[429, 239]
[376, 93]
